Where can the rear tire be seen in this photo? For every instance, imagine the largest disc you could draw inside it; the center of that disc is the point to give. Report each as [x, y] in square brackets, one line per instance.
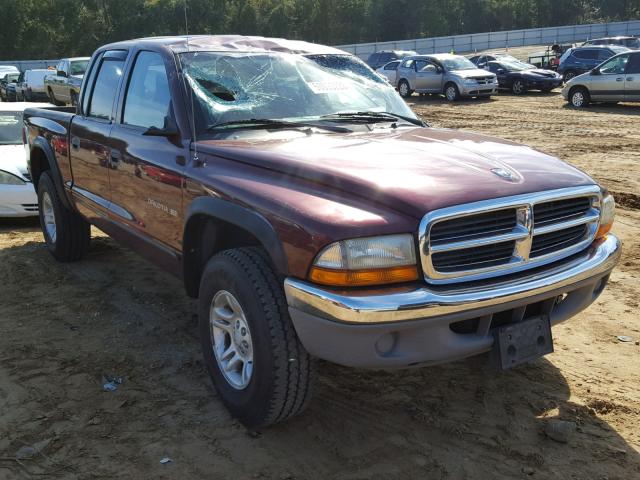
[579, 97]
[260, 369]
[74, 99]
[66, 233]
[404, 89]
[568, 75]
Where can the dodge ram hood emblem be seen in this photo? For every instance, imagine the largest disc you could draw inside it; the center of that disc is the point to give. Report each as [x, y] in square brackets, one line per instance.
[504, 173]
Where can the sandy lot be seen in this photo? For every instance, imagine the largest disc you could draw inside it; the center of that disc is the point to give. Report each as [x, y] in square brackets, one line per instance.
[65, 328]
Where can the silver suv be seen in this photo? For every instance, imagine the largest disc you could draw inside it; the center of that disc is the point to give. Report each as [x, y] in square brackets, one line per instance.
[616, 80]
[452, 75]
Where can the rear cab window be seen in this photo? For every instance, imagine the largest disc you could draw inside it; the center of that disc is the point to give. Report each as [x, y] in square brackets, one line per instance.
[106, 85]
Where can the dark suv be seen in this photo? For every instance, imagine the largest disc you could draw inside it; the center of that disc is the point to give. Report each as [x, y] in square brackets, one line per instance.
[378, 59]
[577, 61]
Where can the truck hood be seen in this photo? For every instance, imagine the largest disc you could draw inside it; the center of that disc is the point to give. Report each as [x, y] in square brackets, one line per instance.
[13, 159]
[410, 170]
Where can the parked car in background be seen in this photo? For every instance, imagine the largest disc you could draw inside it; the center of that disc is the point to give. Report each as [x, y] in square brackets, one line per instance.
[616, 80]
[629, 42]
[7, 78]
[481, 60]
[319, 218]
[32, 86]
[443, 73]
[378, 59]
[63, 85]
[12, 88]
[579, 60]
[9, 69]
[519, 77]
[17, 194]
[390, 71]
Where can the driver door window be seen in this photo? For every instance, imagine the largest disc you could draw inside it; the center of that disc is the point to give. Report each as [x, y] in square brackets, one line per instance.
[148, 99]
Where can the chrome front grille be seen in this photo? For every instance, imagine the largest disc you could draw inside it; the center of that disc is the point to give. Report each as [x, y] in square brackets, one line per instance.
[502, 236]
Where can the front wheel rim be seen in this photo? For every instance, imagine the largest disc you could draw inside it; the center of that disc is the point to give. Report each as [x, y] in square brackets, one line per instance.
[49, 217]
[404, 89]
[517, 88]
[451, 93]
[231, 340]
[577, 99]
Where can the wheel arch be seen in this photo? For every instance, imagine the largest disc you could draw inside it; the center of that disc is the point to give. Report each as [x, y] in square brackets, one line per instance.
[213, 225]
[41, 159]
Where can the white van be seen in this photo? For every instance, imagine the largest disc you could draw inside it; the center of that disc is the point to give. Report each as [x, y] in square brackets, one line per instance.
[32, 87]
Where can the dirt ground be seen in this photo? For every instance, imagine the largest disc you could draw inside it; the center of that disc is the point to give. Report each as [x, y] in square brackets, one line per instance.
[64, 328]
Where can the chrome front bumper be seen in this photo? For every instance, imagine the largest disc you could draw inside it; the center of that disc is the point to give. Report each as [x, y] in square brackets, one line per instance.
[324, 318]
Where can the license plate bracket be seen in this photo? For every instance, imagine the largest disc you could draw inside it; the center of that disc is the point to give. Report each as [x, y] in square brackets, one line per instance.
[522, 342]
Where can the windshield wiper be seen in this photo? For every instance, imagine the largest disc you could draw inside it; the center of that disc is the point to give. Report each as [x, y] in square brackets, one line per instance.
[266, 124]
[372, 117]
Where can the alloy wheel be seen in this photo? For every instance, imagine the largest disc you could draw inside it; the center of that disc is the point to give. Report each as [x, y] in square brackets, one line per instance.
[231, 339]
[451, 93]
[49, 216]
[577, 99]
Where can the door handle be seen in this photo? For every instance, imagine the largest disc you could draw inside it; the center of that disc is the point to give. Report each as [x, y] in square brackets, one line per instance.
[629, 79]
[619, 79]
[75, 143]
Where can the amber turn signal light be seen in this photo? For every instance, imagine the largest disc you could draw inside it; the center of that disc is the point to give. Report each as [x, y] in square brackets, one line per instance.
[603, 230]
[362, 278]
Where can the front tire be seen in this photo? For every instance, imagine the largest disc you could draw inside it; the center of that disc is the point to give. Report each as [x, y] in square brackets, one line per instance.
[518, 87]
[52, 99]
[260, 369]
[579, 97]
[451, 92]
[74, 98]
[404, 89]
[66, 233]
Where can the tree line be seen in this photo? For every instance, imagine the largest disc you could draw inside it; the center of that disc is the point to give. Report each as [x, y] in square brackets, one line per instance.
[56, 28]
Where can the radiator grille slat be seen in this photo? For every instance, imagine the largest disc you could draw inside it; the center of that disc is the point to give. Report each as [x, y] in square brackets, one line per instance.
[560, 210]
[477, 257]
[549, 242]
[485, 224]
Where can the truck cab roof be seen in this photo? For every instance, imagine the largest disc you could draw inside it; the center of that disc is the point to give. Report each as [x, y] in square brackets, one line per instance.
[229, 43]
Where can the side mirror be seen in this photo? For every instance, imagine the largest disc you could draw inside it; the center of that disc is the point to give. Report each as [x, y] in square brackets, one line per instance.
[170, 129]
[500, 71]
[596, 71]
[61, 73]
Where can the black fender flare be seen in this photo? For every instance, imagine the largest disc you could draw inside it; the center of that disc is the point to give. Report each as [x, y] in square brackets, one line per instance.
[43, 144]
[239, 216]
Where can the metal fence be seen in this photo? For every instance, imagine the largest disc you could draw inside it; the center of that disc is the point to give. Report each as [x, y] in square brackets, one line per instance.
[511, 38]
[23, 65]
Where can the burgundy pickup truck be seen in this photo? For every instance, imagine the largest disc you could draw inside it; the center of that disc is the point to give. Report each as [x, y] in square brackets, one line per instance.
[313, 215]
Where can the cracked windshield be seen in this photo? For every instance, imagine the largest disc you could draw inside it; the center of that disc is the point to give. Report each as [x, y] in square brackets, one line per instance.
[240, 87]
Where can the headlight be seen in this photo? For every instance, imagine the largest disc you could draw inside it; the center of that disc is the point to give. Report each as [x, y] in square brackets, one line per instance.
[607, 214]
[7, 178]
[366, 261]
[470, 81]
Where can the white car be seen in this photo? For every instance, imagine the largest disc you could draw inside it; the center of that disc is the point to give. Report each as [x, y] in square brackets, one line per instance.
[17, 196]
